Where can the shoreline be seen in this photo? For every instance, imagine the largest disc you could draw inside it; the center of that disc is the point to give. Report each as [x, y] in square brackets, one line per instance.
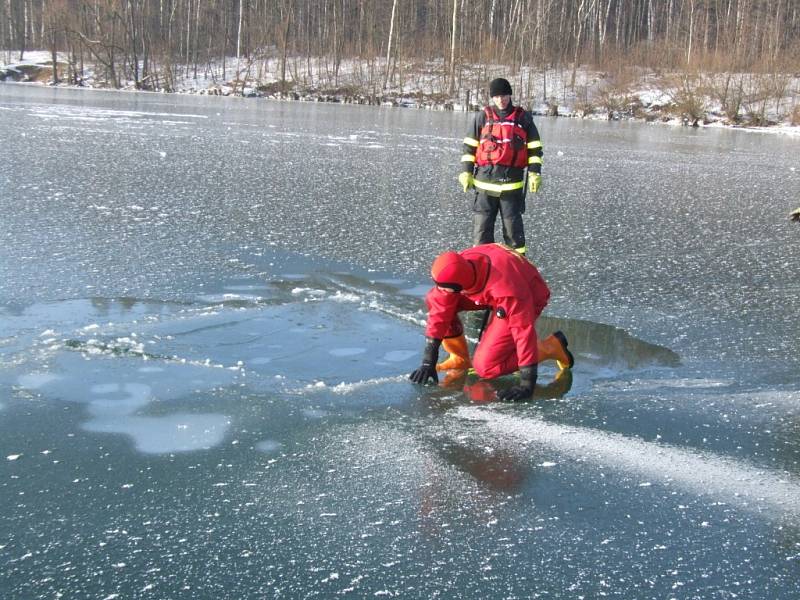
[410, 101]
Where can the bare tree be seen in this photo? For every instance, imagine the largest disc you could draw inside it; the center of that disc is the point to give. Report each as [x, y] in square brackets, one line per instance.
[389, 45]
[452, 76]
[144, 41]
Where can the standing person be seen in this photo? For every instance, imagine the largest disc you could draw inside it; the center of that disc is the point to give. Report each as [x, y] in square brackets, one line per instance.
[502, 142]
[495, 277]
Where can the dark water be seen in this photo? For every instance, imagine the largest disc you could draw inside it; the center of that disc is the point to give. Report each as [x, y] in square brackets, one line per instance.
[208, 308]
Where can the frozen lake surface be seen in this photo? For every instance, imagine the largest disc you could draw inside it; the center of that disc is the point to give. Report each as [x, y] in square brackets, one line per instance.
[209, 307]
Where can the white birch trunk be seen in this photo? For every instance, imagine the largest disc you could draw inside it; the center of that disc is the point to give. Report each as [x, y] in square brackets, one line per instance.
[451, 83]
[239, 43]
[389, 46]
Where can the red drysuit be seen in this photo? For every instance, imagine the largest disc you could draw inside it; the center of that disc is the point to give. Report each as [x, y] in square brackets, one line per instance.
[509, 285]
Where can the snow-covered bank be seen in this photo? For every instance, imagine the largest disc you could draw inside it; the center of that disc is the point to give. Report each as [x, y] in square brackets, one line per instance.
[753, 101]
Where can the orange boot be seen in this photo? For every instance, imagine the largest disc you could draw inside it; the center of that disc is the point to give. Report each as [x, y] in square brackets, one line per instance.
[459, 354]
[555, 348]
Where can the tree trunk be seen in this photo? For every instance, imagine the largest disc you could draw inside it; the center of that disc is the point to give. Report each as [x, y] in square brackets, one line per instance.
[577, 44]
[54, 51]
[239, 42]
[452, 77]
[286, 24]
[691, 34]
[389, 46]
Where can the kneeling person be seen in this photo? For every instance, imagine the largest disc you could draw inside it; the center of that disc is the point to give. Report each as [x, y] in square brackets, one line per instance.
[493, 277]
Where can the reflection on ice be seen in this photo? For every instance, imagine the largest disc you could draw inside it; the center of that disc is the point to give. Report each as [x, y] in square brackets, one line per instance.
[604, 345]
[731, 480]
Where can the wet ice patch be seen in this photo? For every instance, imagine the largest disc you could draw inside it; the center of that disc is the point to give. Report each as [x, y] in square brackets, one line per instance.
[390, 281]
[417, 291]
[344, 352]
[35, 381]
[259, 360]
[86, 113]
[640, 385]
[105, 388]
[315, 413]
[173, 433]
[119, 400]
[399, 355]
[783, 399]
[229, 297]
[115, 391]
[245, 288]
[268, 446]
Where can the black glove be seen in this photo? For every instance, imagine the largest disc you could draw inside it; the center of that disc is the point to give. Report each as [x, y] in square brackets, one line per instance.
[523, 391]
[427, 369]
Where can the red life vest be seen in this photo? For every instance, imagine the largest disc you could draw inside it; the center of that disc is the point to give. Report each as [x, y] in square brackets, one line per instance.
[504, 141]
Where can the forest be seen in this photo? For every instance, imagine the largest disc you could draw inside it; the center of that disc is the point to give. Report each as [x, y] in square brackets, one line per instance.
[378, 45]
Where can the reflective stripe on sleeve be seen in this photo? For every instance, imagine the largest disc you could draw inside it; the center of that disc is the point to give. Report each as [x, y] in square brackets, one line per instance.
[535, 160]
[467, 158]
[471, 142]
[534, 144]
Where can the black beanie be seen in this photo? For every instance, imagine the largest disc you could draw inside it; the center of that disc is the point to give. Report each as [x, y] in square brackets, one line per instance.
[499, 87]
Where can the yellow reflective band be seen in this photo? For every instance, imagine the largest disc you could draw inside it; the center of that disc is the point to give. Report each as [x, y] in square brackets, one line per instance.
[467, 158]
[498, 187]
[535, 144]
[535, 160]
[471, 142]
[521, 250]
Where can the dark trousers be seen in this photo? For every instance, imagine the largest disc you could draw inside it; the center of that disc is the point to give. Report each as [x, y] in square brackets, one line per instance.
[510, 205]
